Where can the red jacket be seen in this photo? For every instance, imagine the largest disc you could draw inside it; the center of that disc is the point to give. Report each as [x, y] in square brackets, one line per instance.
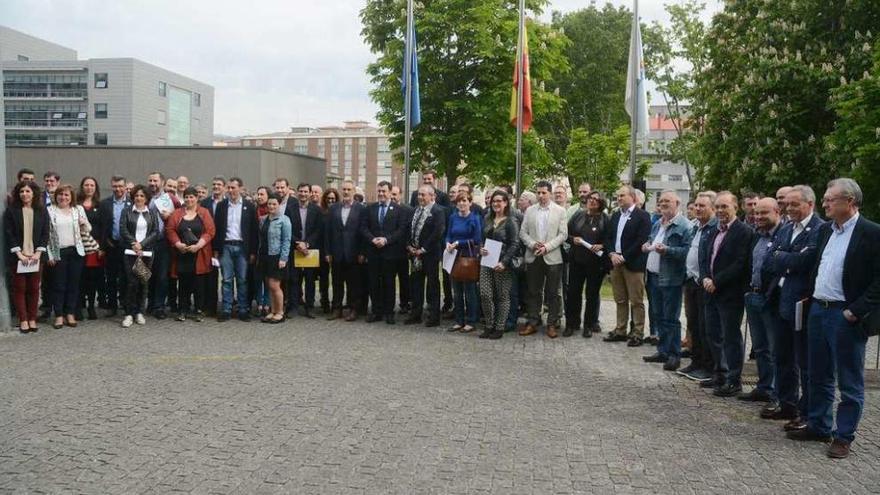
[204, 255]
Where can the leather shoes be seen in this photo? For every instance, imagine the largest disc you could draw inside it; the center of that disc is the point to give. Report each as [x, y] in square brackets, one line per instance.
[588, 333]
[351, 316]
[613, 337]
[306, 313]
[838, 449]
[779, 411]
[412, 319]
[528, 329]
[568, 332]
[335, 315]
[390, 320]
[755, 396]
[795, 424]
[672, 364]
[551, 331]
[432, 322]
[807, 435]
[727, 390]
[373, 318]
[655, 358]
[634, 342]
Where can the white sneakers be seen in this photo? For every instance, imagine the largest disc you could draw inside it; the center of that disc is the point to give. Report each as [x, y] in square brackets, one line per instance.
[138, 318]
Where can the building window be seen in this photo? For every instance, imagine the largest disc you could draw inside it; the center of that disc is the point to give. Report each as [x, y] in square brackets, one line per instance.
[197, 99]
[22, 58]
[101, 80]
[100, 110]
[163, 89]
[653, 177]
[161, 117]
[674, 178]
[100, 139]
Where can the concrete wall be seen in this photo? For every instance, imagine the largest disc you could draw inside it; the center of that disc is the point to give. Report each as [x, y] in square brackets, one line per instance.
[254, 166]
[14, 43]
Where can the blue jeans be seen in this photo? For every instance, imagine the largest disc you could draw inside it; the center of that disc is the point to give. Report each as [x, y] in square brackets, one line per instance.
[837, 350]
[764, 327]
[465, 295]
[664, 311]
[723, 322]
[233, 264]
[791, 367]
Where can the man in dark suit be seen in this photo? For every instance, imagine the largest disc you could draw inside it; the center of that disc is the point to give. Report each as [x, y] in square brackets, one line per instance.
[307, 232]
[110, 240]
[429, 178]
[725, 276]
[218, 194]
[382, 232]
[628, 230]
[402, 268]
[792, 261]
[343, 249]
[846, 292]
[425, 247]
[236, 244]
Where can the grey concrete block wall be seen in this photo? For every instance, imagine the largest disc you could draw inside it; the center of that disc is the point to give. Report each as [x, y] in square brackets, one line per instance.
[254, 166]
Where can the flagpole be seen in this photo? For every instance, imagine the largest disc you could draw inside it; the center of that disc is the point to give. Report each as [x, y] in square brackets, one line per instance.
[5, 312]
[634, 115]
[520, 76]
[407, 71]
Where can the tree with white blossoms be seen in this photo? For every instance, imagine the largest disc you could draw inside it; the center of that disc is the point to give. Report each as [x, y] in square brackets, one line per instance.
[764, 97]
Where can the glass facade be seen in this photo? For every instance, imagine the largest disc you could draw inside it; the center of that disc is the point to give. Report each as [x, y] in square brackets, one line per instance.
[26, 85]
[45, 114]
[14, 138]
[179, 117]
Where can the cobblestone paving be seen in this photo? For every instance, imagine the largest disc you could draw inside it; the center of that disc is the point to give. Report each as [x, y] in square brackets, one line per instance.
[325, 407]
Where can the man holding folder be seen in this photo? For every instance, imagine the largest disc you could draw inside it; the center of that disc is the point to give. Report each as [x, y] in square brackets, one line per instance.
[306, 223]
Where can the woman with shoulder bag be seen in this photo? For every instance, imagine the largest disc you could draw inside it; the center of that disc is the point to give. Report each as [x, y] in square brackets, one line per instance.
[67, 224]
[496, 282]
[139, 229]
[27, 235]
[464, 234]
[189, 232]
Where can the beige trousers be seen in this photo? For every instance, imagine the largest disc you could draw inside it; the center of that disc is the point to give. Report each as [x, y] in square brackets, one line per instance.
[629, 295]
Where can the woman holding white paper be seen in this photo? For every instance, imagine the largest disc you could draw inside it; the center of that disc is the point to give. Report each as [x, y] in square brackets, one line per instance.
[67, 223]
[496, 282]
[588, 264]
[27, 235]
[139, 229]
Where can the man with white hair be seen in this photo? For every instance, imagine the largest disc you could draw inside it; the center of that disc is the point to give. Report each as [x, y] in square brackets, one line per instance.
[846, 295]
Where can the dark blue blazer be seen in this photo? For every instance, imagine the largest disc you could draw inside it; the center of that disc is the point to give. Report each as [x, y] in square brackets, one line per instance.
[343, 242]
[732, 263]
[392, 229]
[794, 261]
[314, 224]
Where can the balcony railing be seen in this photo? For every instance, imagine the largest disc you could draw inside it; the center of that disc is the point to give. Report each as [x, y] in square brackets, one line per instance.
[46, 123]
[45, 93]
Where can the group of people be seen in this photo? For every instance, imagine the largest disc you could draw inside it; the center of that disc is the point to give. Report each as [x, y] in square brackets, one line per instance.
[806, 286]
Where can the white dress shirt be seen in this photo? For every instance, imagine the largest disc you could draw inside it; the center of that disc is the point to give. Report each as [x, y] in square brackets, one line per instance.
[621, 223]
[653, 256]
[829, 279]
[233, 220]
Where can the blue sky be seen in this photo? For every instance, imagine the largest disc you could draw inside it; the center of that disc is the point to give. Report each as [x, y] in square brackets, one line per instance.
[273, 63]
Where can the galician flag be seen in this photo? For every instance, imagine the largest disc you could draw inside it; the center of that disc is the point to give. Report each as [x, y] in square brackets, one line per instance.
[527, 87]
[413, 82]
[636, 70]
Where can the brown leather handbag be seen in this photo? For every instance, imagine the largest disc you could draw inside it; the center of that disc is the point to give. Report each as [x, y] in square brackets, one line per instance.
[466, 268]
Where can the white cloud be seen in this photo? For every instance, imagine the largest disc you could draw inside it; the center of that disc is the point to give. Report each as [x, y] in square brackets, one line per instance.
[273, 63]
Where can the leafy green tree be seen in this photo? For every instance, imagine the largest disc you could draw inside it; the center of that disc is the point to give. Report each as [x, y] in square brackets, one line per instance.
[466, 51]
[763, 97]
[856, 138]
[598, 158]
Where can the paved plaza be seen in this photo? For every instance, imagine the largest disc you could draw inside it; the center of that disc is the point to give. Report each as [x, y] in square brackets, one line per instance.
[325, 407]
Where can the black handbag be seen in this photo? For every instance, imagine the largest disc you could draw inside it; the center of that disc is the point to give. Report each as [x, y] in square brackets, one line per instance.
[189, 238]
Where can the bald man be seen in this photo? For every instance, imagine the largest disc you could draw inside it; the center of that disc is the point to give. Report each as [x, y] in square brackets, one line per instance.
[762, 301]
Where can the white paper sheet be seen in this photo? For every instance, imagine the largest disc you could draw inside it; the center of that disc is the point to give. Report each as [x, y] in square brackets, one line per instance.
[494, 248]
[449, 260]
[799, 315]
[215, 262]
[590, 246]
[147, 254]
[29, 267]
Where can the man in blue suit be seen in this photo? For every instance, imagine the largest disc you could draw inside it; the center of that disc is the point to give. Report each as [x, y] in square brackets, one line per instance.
[792, 261]
[344, 252]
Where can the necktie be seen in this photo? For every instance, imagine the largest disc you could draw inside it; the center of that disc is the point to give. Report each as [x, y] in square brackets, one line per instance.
[381, 213]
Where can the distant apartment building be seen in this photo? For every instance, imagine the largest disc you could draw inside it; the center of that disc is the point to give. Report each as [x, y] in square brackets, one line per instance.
[355, 151]
[52, 98]
[663, 173]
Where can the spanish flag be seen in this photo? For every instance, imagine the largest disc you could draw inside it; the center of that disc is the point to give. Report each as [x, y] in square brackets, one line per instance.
[527, 87]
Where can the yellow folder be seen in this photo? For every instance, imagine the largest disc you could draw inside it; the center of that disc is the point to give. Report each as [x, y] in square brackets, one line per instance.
[311, 260]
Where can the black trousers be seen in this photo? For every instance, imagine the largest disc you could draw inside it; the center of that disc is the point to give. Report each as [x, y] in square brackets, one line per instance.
[448, 300]
[402, 272]
[136, 291]
[297, 277]
[191, 286]
[695, 310]
[92, 282]
[324, 281]
[65, 282]
[381, 273]
[210, 292]
[425, 287]
[347, 285]
[115, 274]
[580, 274]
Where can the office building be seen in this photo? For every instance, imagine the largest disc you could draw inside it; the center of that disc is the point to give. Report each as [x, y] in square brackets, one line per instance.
[52, 98]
